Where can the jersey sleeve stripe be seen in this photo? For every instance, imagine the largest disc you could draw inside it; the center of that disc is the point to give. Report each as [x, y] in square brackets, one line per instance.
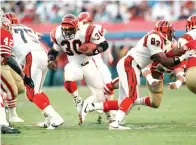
[89, 32]
[145, 41]
[187, 37]
[5, 46]
[53, 36]
[5, 53]
[2, 49]
[5, 50]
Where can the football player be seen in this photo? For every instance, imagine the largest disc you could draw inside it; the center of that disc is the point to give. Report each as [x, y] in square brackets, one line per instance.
[188, 39]
[17, 87]
[70, 38]
[7, 59]
[151, 47]
[32, 56]
[85, 18]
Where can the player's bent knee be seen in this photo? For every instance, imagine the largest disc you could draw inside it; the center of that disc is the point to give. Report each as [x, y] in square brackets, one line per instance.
[21, 88]
[18, 81]
[191, 79]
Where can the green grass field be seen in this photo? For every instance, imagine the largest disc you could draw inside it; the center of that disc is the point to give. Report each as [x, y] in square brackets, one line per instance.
[174, 123]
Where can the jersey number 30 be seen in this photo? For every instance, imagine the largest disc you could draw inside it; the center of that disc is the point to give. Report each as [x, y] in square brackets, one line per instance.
[75, 45]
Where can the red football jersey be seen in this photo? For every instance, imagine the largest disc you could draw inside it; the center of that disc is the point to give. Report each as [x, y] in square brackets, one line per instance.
[192, 60]
[6, 43]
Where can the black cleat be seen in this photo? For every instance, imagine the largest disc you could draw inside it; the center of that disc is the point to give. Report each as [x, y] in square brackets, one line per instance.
[9, 130]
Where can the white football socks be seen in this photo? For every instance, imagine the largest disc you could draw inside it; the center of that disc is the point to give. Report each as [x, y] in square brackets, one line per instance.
[3, 120]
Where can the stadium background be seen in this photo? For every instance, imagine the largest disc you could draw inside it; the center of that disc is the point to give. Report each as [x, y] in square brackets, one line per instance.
[125, 22]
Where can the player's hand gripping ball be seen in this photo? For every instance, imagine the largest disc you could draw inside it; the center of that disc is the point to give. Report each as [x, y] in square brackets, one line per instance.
[87, 48]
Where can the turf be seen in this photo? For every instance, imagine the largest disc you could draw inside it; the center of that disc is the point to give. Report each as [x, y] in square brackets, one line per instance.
[174, 123]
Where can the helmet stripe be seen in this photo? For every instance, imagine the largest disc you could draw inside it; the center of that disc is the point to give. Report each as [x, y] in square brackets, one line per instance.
[161, 26]
[11, 17]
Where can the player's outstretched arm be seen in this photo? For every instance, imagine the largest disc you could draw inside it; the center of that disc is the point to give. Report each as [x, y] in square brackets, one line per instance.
[168, 62]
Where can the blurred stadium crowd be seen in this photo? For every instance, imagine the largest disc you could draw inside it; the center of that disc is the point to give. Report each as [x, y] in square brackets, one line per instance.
[110, 11]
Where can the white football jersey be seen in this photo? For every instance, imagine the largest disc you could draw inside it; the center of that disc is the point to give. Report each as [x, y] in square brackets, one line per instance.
[85, 33]
[25, 40]
[190, 35]
[150, 44]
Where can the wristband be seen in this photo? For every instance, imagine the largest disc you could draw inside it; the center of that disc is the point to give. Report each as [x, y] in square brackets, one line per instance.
[178, 83]
[149, 77]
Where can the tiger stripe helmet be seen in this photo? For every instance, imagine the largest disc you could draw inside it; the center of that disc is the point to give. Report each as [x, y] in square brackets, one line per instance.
[12, 17]
[166, 28]
[69, 26]
[84, 17]
[191, 23]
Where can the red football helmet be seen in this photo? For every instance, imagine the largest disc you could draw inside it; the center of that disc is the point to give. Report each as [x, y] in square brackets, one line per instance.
[191, 23]
[6, 24]
[12, 17]
[84, 17]
[165, 28]
[69, 26]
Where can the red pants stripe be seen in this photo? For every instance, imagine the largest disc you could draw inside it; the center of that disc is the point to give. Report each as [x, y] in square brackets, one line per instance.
[27, 71]
[131, 78]
[28, 64]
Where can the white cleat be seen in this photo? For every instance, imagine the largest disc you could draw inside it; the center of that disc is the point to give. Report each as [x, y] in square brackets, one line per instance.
[55, 122]
[87, 107]
[46, 123]
[122, 122]
[15, 119]
[115, 126]
[110, 119]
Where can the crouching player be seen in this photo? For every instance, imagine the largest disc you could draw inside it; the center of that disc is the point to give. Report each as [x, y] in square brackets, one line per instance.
[189, 40]
[9, 60]
[32, 56]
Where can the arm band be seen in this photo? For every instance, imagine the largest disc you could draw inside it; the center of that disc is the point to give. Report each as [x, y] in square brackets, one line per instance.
[104, 45]
[11, 61]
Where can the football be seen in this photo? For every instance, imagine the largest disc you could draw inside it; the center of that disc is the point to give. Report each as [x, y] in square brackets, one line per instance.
[87, 48]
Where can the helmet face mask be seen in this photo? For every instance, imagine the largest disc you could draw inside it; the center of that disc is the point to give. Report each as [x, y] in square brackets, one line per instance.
[171, 35]
[68, 33]
[69, 26]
